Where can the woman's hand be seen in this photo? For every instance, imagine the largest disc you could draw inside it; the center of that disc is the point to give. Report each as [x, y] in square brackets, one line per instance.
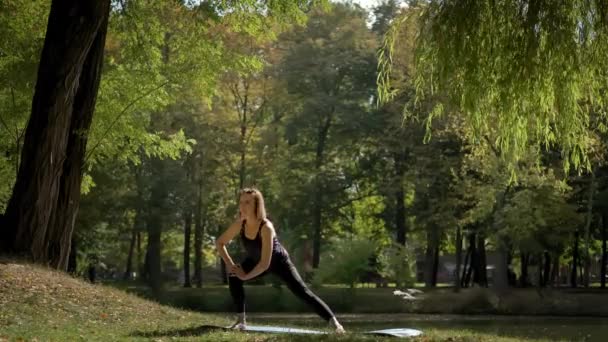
[237, 271]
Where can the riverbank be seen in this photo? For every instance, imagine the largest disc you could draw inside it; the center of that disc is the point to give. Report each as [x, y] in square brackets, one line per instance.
[267, 298]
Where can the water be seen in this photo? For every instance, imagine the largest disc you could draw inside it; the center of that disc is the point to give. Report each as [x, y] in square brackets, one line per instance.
[589, 329]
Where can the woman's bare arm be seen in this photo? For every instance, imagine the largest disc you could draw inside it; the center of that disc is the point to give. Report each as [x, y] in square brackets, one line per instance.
[221, 242]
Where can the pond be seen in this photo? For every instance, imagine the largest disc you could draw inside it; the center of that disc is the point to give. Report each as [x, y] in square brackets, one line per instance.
[520, 327]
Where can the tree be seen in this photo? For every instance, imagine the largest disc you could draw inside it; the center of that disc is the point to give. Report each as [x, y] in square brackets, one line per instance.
[328, 68]
[526, 72]
[54, 145]
[53, 155]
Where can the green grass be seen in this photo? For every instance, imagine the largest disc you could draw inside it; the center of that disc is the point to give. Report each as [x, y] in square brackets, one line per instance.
[38, 304]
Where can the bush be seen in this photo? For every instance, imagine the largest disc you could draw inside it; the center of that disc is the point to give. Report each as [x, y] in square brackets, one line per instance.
[345, 262]
[397, 264]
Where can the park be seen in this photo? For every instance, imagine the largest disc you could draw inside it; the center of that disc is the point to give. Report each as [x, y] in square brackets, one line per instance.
[261, 170]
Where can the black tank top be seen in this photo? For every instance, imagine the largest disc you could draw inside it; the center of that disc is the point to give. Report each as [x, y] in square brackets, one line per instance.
[253, 247]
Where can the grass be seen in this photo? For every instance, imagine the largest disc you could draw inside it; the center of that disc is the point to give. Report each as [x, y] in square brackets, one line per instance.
[38, 304]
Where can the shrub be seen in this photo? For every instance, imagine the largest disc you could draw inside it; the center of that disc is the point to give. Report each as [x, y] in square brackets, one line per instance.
[345, 262]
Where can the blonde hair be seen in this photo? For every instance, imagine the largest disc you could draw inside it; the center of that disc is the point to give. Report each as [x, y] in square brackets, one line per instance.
[258, 199]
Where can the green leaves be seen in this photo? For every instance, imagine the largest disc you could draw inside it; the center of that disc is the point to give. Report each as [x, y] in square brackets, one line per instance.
[530, 75]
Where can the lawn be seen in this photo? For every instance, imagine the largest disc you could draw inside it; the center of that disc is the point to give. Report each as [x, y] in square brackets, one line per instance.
[44, 305]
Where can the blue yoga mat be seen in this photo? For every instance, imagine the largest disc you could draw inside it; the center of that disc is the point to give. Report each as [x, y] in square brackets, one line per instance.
[396, 332]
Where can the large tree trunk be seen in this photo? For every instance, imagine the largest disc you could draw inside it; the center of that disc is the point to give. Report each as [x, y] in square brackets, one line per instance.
[575, 260]
[187, 234]
[604, 253]
[40, 215]
[399, 159]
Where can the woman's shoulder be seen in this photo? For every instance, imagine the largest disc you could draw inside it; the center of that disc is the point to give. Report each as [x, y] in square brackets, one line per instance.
[267, 224]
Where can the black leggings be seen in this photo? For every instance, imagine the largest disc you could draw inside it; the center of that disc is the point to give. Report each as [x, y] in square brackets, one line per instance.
[284, 269]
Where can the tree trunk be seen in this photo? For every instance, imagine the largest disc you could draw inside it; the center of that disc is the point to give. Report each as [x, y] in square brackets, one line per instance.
[500, 277]
[400, 223]
[573, 275]
[317, 222]
[435, 264]
[154, 258]
[523, 278]
[555, 270]
[129, 266]
[589, 218]
[472, 260]
[156, 214]
[318, 205]
[40, 215]
[187, 234]
[198, 234]
[482, 263]
[604, 253]
[430, 270]
[457, 277]
[140, 261]
[73, 258]
[547, 269]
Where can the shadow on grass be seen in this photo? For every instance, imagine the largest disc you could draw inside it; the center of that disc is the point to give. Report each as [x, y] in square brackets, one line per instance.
[192, 331]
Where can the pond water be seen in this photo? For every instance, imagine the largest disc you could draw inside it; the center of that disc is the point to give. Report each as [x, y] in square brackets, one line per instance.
[589, 329]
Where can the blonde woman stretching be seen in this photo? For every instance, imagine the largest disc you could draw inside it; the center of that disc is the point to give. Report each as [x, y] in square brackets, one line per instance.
[264, 254]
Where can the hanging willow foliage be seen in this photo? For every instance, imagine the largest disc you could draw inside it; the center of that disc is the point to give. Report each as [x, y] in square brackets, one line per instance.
[522, 72]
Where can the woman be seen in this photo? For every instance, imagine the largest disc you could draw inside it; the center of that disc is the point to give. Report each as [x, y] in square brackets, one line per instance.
[264, 254]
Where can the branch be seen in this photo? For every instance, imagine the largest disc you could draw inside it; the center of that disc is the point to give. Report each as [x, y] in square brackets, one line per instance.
[90, 152]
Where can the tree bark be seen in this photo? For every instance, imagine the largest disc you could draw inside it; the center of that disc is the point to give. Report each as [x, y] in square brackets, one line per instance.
[40, 215]
[187, 235]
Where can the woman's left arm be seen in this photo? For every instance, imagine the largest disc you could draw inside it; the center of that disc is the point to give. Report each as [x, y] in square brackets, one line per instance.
[267, 236]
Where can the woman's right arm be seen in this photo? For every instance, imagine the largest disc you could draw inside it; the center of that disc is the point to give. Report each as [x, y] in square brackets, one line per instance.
[225, 238]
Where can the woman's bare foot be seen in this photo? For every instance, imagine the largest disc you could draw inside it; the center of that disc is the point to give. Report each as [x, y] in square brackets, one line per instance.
[240, 324]
[339, 328]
